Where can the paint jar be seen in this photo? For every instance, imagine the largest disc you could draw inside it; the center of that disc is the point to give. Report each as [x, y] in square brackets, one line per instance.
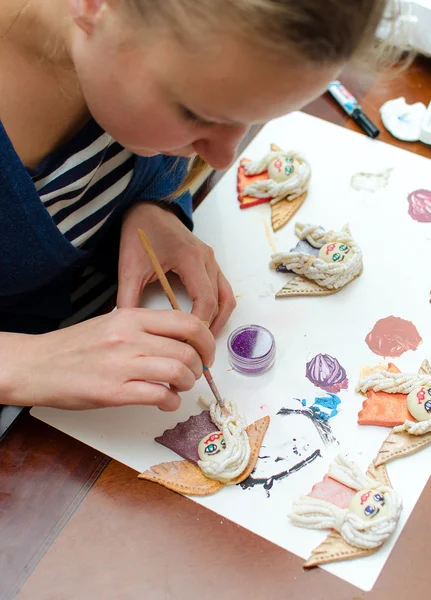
[251, 349]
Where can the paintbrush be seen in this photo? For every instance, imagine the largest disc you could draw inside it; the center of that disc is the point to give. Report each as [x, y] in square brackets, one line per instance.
[174, 303]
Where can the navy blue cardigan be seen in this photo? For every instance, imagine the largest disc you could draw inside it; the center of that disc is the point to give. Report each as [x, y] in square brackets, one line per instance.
[38, 265]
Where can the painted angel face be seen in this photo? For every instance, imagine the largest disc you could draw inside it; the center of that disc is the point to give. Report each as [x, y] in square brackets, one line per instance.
[419, 403]
[335, 252]
[369, 504]
[281, 169]
[211, 446]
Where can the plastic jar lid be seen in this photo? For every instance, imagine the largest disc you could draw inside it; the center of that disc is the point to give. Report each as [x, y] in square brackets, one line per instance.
[251, 349]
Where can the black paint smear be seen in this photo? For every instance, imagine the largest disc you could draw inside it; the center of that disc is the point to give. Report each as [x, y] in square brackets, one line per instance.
[264, 457]
[250, 482]
[323, 427]
[278, 458]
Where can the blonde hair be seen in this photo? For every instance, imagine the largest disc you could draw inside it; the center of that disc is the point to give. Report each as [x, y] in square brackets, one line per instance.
[320, 33]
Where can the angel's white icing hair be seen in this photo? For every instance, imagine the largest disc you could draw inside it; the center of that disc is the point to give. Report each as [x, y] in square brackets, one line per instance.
[328, 275]
[314, 513]
[295, 186]
[233, 460]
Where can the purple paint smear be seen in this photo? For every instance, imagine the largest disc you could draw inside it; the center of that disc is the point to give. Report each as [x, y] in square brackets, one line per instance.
[325, 372]
[184, 438]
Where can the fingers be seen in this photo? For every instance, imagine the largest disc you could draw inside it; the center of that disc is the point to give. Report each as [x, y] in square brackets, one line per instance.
[163, 370]
[149, 394]
[172, 324]
[156, 346]
[227, 304]
[200, 288]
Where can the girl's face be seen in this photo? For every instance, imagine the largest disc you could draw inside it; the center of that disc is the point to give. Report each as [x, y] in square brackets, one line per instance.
[155, 95]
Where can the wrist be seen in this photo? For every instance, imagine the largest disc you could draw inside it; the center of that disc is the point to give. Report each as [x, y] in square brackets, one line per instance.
[14, 370]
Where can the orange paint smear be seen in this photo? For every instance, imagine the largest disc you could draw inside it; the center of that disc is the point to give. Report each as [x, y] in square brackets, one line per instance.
[383, 409]
[243, 180]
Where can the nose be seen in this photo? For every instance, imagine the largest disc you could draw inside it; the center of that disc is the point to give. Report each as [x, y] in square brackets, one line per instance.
[219, 146]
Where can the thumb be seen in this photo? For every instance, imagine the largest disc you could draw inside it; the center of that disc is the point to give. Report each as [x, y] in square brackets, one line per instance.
[129, 292]
[131, 282]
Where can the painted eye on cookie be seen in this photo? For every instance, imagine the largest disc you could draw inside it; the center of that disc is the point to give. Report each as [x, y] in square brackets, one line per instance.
[427, 406]
[211, 449]
[379, 498]
[288, 170]
[344, 248]
[336, 257]
[370, 510]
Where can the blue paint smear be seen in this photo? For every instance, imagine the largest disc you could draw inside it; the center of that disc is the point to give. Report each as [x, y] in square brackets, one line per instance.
[324, 408]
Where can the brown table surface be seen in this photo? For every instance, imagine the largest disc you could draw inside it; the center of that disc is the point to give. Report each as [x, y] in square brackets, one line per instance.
[76, 525]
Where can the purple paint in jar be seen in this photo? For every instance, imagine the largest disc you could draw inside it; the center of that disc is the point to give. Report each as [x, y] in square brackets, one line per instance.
[251, 349]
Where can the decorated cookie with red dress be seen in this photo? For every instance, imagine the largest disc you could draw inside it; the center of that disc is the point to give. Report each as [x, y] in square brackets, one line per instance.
[279, 178]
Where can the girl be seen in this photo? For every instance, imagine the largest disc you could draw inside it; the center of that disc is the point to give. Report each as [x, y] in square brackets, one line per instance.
[98, 100]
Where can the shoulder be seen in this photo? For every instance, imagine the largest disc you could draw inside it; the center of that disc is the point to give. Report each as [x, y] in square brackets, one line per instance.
[159, 176]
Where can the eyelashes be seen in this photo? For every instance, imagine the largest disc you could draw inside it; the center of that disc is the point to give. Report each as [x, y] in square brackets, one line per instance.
[188, 115]
[191, 117]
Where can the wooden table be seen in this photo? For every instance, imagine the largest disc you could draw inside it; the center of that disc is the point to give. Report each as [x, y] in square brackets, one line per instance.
[76, 525]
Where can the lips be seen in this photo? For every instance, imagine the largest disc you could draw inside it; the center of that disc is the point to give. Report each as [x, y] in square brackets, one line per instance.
[421, 395]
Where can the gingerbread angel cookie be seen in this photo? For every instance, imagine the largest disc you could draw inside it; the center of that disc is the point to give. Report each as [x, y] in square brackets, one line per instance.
[324, 261]
[408, 399]
[219, 450]
[361, 509]
[280, 178]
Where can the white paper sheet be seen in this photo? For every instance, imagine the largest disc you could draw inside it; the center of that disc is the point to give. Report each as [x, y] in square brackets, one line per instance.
[395, 281]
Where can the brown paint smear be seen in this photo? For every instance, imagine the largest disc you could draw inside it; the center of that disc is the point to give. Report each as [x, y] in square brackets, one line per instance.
[392, 337]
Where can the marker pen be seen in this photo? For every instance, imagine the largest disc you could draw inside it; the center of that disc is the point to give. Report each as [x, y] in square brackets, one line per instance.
[352, 107]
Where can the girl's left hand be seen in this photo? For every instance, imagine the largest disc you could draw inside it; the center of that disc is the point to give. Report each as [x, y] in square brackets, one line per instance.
[178, 250]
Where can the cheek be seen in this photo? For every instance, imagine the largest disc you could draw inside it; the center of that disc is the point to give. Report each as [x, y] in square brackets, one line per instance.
[133, 113]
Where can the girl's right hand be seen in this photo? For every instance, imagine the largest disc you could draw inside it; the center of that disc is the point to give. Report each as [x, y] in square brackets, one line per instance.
[117, 359]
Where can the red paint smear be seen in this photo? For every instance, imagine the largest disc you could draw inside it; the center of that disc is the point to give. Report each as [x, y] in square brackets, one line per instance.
[392, 337]
[332, 491]
[420, 205]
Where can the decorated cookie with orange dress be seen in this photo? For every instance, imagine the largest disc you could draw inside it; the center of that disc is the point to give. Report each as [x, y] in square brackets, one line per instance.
[279, 178]
[401, 401]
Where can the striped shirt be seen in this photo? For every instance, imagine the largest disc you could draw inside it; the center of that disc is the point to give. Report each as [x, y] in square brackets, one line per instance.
[80, 184]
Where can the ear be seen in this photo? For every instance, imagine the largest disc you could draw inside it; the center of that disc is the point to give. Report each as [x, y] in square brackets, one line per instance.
[85, 13]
